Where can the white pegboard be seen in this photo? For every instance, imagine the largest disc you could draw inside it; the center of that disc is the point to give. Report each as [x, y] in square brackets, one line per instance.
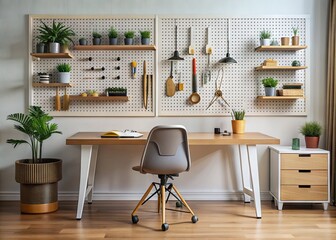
[242, 84]
[83, 79]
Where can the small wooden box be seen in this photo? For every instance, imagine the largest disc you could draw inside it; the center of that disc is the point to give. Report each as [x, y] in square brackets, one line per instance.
[291, 92]
[270, 63]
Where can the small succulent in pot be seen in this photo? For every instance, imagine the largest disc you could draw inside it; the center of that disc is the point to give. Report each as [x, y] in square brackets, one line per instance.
[145, 37]
[96, 38]
[129, 35]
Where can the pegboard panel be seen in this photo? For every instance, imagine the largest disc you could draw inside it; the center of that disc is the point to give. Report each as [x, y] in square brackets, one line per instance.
[116, 73]
[241, 83]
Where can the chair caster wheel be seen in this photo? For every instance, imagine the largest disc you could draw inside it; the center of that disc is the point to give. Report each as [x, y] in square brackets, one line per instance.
[135, 219]
[194, 219]
[178, 204]
[164, 226]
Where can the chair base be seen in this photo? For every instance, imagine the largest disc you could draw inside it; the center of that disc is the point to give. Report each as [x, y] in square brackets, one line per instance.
[161, 190]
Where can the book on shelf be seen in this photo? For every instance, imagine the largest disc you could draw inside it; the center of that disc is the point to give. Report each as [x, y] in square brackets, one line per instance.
[121, 134]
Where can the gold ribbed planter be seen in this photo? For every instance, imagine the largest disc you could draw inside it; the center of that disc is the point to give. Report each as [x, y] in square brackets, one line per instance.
[38, 185]
[238, 126]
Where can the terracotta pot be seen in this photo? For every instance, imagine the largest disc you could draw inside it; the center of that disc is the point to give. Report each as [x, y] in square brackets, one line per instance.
[285, 41]
[312, 142]
[238, 126]
[38, 185]
[295, 40]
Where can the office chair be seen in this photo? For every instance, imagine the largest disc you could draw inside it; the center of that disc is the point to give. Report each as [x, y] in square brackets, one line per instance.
[166, 154]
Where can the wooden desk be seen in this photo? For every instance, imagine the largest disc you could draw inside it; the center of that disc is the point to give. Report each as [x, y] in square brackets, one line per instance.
[90, 141]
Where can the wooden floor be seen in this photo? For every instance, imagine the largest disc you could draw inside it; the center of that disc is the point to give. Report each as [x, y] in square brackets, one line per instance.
[217, 220]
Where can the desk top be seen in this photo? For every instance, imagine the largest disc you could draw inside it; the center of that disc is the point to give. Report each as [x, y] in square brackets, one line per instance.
[195, 138]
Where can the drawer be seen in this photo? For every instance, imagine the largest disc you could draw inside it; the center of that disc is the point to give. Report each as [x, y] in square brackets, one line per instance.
[304, 161]
[304, 177]
[304, 193]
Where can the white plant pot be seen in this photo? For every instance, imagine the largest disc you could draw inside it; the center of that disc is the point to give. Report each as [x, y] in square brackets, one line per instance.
[265, 42]
[64, 77]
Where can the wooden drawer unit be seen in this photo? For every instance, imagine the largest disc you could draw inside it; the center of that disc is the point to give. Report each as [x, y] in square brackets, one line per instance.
[299, 175]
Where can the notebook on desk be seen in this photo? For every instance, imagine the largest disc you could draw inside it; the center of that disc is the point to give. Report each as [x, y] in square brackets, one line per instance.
[121, 134]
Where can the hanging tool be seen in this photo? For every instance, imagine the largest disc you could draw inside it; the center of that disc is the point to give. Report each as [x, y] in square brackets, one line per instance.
[57, 100]
[145, 85]
[134, 66]
[206, 75]
[66, 100]
[180, 86]
[191, 46]
[170, 85]
[218, 91]
[194, 98]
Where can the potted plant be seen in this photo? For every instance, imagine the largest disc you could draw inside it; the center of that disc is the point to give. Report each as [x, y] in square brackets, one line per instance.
[116, 91]
[41, 47]
[38, 176]
[64, 72]
[285, 41]
[82, 41]
[270, 84]
[113, 36]
[295, 38]
[55, 35]
[311, 131]
[129, 35]
[145, 37]
[265, 38]
[238, 122]
[96, 38]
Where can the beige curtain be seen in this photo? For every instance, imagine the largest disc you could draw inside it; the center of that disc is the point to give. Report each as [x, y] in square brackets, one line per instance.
[331, 99]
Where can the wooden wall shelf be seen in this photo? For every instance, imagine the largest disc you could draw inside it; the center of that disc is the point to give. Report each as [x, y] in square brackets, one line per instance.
[100, 98]
[280, 48]
[114, 47]
[52, 85]
[260, 68]
[279, 97]
[51, 55]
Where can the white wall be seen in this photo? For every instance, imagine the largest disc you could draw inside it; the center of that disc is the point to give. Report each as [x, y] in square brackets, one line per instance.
[214, 171]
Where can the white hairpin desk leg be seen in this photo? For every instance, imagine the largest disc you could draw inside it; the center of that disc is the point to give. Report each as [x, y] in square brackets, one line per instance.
[92, 173]
[253, 162]
[245, 171]
[86, 151]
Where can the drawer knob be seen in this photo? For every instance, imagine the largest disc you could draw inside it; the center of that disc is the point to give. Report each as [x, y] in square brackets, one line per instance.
[304, 155]
[304, 171]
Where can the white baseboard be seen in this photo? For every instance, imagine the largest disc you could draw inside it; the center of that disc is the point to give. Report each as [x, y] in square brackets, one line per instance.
[73, 196]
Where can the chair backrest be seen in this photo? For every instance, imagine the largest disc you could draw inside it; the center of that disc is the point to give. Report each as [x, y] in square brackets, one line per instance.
[166, 151]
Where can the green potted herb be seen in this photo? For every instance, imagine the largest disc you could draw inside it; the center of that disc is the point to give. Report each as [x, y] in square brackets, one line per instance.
[238, 122]
[56, 35]
[145, 37]
[113, 36]
[129, 35]
[312, 131]
[265, 38]
[295, 37]
[270, 84]
[64, 72]
[38, 176]
[96, 38]
[116, 91]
